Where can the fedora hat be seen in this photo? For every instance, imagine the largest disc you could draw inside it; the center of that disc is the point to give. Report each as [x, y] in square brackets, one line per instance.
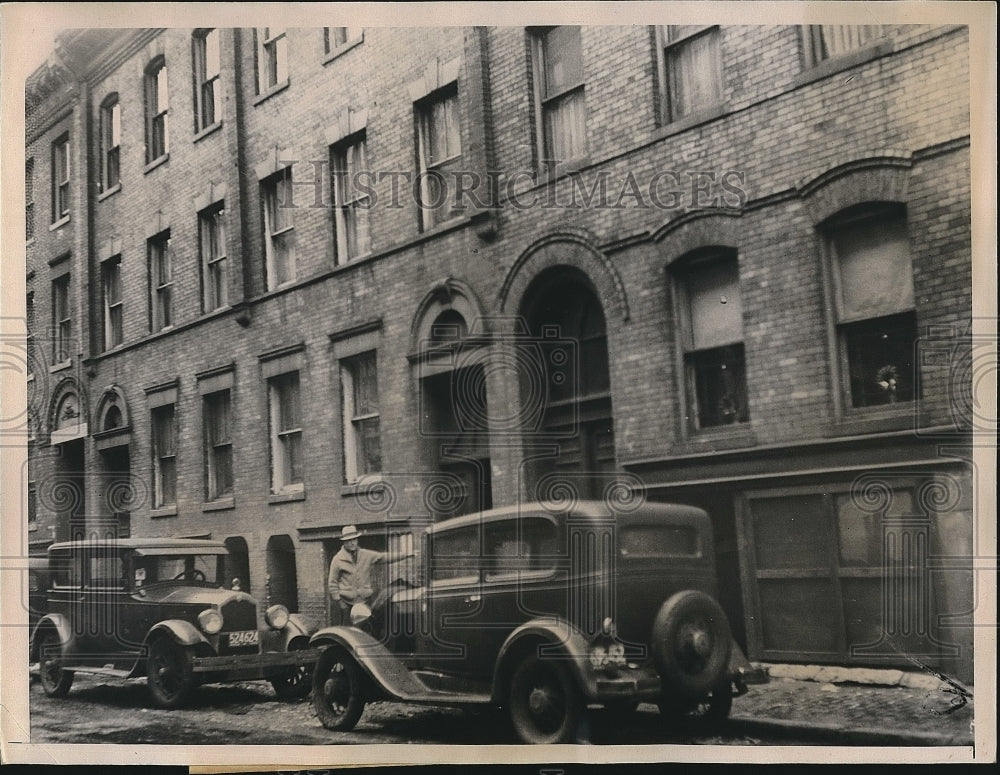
[349, 532]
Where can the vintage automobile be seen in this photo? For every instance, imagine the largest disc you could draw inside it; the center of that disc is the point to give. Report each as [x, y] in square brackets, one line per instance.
[158, 607]
[544, 610]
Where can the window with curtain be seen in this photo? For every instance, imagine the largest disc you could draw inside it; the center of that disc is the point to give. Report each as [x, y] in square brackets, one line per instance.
[691, 69]
[339, 38]
[439, 149]
[712, 329]
[828, 41]
[351, 203]
[60, 179]
[558, 66]
[874, 303]
[208, 96]
[62, 319]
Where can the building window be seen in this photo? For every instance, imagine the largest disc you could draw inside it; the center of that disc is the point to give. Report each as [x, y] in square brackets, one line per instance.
[873, 301]
[111, 290]
[111, 136]
[61, 319]
[161, 280]
[214, 267]
[362, 438]
[157, 105]
[272, 58]
[439, 149]
[164, 456]
[29, 200]
[217, 412]
[207, 97]
[286, 432]
[279, 224]
[562, 112]
[828, 41]
[350, 201]
[712, 332]
[60, 179]
[338, 38]
[690, 62]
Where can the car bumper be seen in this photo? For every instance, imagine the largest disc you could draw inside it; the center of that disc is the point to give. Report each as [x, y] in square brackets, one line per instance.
[625, 684]
[255, 665]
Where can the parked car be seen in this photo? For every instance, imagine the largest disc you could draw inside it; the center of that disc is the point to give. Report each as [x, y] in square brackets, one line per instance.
[158, 607]
[543, 610]
[38, 585]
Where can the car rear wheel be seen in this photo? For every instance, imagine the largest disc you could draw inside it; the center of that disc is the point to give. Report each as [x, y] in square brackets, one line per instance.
[691, 645]
[54, 679]
[544, 703]
[338, 694]
[295, 684]
[168, 673]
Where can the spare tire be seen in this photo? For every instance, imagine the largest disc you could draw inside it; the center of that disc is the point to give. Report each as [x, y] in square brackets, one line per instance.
[691, 644]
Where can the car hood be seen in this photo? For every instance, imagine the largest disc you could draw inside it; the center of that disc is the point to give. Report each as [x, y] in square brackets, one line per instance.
[206, 596]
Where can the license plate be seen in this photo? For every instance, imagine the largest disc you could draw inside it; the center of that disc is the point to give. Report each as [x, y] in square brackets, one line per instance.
[245, 638]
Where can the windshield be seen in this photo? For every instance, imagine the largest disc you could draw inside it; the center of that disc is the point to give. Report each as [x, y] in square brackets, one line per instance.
[177, 567]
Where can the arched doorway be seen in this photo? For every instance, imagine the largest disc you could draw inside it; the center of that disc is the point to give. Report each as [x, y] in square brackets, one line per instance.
[282, 579]
[561, 306]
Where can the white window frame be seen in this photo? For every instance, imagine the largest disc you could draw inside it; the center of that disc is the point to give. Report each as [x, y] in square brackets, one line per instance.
[350, 203]
[214, 263]
[425, 129]
[206, 42]
[161, 283]
[211, 403]
[111, 294]
[272, 58]
[864, 35]
[160, 455]
[665, 47]
[338, 39]
[282, 234]
[282, 478]
[157, 110]
[110, 129]
[62, 317]
[545, 103]
[60, 179]
[351, 419]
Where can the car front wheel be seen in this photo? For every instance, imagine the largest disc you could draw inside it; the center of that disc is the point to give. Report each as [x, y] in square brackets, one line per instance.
[54, 679]
[544, 703]
[168, 673]
[338, 695]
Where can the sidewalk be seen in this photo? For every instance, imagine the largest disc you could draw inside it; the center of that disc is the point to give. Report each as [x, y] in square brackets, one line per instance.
[853, 706]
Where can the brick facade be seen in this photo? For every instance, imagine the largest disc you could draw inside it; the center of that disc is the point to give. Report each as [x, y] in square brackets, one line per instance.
[787, 147]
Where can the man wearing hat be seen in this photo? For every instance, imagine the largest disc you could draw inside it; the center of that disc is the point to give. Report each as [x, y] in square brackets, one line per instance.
[350, 578]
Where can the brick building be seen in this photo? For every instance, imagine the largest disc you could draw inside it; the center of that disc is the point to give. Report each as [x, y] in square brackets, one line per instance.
[280, 281]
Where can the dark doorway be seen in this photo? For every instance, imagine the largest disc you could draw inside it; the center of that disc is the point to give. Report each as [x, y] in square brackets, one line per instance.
[562, 310]
[68, 495]
[119, 492]
[282, 579]
[238, 563]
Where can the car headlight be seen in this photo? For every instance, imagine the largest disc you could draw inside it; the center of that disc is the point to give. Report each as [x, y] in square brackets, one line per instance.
[276, 617]
[598, 656]
[210, 621]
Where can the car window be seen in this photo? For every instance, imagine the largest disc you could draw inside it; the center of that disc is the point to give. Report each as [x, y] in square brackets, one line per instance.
[106, 571]
[660, 541]
[67, 570]
[455, 554]
[190, 567]
[516, 547]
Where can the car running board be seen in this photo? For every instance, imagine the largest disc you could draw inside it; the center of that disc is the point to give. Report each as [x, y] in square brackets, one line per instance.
[393, 677]
[111, 672]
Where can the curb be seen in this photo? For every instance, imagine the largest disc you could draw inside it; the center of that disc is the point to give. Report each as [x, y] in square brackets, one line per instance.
[844, 735]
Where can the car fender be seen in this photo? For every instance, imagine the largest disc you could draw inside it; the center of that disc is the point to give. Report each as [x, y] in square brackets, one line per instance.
[386, 672]
[61, 625]
[181, 632]
[298, 627]
[564, 642]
